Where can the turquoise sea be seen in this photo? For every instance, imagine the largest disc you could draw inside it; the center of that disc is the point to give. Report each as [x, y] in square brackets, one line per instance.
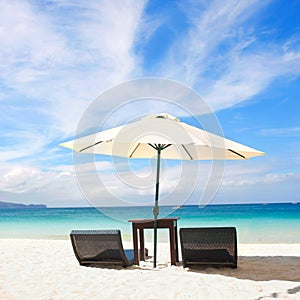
[255, 223]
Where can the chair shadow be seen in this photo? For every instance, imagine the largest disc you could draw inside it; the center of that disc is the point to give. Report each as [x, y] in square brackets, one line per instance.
[258, 268]
[116, 266]
[111, 266]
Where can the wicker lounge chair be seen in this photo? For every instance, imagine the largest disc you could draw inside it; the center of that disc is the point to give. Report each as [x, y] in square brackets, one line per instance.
[100, 247]
[209, 245]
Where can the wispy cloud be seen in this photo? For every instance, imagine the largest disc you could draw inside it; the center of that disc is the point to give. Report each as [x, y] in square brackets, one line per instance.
[281, 132]
[55, 58]
[66, 62]
[225, 58]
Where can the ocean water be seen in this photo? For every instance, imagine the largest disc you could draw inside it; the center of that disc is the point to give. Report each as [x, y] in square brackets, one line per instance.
[255, 223]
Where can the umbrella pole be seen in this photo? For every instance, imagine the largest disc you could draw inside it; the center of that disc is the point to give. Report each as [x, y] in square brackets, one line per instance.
[156, 208]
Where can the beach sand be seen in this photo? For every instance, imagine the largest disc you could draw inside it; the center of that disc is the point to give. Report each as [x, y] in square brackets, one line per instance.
[48, 269]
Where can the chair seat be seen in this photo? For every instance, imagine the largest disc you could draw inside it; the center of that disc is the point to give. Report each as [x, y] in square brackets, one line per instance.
[209, 245]
[213, 255]
[100, 247]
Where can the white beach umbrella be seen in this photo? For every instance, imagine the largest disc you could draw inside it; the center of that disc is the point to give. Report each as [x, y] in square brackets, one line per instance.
[163, 136]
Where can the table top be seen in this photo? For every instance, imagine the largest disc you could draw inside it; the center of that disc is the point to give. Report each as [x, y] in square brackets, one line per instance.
[152, 220]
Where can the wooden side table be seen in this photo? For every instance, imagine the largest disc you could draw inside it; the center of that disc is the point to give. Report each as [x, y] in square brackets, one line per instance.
[141, 224]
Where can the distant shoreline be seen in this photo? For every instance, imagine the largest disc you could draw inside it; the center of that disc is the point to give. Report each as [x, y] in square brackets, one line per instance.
[11, 205]
[181, 206]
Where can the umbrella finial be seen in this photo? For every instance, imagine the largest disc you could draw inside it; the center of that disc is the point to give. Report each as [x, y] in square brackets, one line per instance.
[162, 116]
[167, 116]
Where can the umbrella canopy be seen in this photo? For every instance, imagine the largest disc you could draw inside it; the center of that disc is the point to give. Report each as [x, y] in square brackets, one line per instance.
[135, 140]
[161, 136]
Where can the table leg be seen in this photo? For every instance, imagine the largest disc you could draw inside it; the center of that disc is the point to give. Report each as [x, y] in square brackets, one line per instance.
[172, 245]
[142, 245]
[135, 244]
[176, 242]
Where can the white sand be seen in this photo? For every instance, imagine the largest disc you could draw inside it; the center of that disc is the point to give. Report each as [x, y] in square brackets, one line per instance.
[48, 269]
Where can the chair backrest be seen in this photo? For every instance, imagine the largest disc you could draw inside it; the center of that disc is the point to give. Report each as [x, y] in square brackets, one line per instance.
[211, 241]
[98, 246]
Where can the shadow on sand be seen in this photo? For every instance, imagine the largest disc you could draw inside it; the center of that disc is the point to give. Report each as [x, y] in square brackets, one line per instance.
[259, 268]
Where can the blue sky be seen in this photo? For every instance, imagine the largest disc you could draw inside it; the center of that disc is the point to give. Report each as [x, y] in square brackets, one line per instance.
[56, 57]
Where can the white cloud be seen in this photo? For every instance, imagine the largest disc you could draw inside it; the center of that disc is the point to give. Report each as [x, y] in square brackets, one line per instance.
[22, 183]
[18, 179]
[181, 182]
[257, 176]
